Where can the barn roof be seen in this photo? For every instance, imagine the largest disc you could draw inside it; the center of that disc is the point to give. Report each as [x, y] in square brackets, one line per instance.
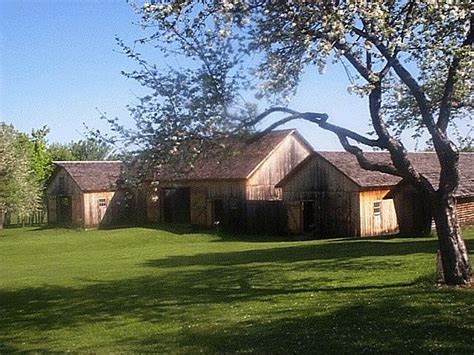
[234, 159]
[93, 175]
[425, 163]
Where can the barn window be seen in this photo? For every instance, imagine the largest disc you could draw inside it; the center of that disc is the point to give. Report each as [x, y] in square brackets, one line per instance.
[102, 202]
[377, 208]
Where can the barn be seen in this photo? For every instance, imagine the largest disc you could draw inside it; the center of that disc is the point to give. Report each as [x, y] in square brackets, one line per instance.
[329, 194]
[233, 185]
[84, 194]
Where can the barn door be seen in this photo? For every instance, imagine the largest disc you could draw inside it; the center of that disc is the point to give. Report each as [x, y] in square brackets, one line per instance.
[64, 209]
[177, 205]
[198, 207]
[308, 216]
[52, 208]
[294, 217]
[102, 206]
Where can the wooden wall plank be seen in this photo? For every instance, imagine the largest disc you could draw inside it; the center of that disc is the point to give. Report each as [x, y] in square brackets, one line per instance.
[261, 185]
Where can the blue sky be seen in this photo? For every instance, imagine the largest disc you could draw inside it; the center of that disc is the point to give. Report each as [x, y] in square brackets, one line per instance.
[60, 66]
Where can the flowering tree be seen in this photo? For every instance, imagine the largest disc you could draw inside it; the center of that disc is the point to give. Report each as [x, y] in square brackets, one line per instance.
[411, 59]
[20, 192]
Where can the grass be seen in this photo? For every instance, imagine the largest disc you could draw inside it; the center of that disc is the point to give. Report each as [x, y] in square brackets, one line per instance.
[146, 290]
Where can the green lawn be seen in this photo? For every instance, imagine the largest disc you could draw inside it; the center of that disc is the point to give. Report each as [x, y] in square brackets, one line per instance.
[145, 290]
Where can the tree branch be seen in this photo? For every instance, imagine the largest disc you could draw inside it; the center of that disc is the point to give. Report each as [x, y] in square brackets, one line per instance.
[356, 63]
[446, 101]
[318, 118]
[392, 62]
[363, 161]
[398, 153]
[273, 110]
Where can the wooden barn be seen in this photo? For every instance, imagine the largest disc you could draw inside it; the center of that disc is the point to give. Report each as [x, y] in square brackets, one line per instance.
[329, 194]
[84, 194]
[234, 187]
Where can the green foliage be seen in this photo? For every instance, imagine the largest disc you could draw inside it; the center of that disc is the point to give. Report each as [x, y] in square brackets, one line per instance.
[142, 290]
[84, 149]
[60, 152]
[35, 146]
[20, 189]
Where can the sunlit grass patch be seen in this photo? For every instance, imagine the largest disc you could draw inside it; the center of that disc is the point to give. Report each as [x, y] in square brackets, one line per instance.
[140, 290]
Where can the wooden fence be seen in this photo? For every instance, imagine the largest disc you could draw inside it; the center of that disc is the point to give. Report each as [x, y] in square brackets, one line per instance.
[37, 218]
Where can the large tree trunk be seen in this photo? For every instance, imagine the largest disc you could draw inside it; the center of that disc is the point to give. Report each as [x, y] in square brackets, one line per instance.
[456, 267]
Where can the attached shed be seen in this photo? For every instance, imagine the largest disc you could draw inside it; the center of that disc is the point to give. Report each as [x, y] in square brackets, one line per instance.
[329, 194]
[414, 209]
[233, 185]
[84, 194]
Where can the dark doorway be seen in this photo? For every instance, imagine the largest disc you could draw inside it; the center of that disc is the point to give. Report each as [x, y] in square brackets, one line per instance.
[64, 210]
[218, 211]
[308, 216]
[176, 206]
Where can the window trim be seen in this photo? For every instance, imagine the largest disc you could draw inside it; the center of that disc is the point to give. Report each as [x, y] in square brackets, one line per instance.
[377, 208]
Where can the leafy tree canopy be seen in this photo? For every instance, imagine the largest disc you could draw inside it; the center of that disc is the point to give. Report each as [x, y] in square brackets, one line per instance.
[20, 190]
[35, 146]
[84, 149]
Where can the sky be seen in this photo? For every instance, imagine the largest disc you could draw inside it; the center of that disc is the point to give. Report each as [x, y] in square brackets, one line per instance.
[60, 67]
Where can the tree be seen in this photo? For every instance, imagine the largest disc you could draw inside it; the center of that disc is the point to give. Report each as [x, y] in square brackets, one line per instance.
[60, 152]
[411, 59]
[84, 149]
[35, 146]
[20, 191]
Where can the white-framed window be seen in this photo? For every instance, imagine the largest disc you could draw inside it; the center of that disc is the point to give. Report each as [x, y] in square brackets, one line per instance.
[102, 202]
[377, 208]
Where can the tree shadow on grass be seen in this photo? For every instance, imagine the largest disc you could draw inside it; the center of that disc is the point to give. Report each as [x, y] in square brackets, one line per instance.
[183, 297]
[362, 317]
[388, 324]
[345, 250]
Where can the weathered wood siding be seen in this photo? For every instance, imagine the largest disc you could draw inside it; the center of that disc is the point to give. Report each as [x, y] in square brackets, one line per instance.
[203, 196]
[266, 217]
[413, 210]
[63, 185]
[335, 197]
[317, 175]
[95, 215]
[382, 220]
[289, 153]
[465, 210]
